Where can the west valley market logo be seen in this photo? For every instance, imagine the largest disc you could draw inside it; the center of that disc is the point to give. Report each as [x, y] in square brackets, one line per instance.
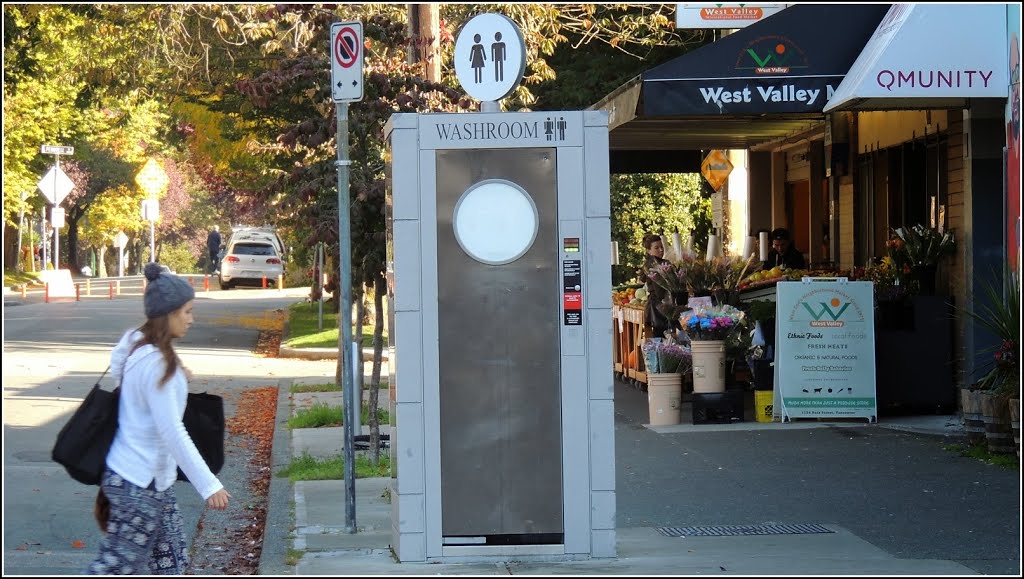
[832, 309]
[771, 55]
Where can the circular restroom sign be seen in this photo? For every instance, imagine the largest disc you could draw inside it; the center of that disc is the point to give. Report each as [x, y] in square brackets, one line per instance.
[490, 57]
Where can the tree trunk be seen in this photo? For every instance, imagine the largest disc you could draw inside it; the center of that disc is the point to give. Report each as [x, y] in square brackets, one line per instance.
[379, 287]
[357, 337]
[101, 264]
[72, 245]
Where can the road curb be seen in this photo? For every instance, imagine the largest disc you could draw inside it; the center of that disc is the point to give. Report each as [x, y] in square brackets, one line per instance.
[324, 353]
[279, 521]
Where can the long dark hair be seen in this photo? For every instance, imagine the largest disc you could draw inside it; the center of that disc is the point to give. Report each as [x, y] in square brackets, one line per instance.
[101, 510]
[157, 331]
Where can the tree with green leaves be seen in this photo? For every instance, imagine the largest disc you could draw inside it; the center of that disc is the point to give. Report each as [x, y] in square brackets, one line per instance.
[655, 203]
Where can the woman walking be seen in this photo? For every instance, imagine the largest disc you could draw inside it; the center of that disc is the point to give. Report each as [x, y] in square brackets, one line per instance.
[144, 532]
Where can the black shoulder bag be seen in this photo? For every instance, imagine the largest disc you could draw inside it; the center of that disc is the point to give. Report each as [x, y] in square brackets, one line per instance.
[82, 444]
[204, 421]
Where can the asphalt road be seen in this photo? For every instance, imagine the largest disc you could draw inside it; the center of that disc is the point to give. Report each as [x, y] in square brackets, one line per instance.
[54, 352]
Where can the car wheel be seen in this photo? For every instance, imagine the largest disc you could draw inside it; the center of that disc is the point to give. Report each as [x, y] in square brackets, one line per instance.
[224, 286]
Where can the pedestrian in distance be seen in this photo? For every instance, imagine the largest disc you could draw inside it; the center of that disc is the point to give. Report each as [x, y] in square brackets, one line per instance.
[144, 533]
[213, 241]
[654, 257]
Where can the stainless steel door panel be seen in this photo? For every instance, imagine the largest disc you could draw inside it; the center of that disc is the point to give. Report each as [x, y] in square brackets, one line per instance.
[498, 338]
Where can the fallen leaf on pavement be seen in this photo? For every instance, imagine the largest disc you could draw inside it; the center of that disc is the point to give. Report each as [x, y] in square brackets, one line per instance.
[78, 544]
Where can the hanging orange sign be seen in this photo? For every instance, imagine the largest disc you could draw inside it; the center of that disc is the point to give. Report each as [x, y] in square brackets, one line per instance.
[716, 168]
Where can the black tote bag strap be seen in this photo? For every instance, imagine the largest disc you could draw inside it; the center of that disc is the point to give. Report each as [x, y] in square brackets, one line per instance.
[100, 379]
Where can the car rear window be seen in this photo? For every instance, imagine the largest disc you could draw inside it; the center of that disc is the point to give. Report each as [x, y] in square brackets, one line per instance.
[253, 249]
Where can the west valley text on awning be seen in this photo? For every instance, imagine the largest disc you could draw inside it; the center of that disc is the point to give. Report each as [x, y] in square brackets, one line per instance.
[760, 84]
[929, 56]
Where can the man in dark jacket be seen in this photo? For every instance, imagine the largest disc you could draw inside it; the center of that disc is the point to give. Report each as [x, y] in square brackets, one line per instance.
[783, 253]
[213, 247]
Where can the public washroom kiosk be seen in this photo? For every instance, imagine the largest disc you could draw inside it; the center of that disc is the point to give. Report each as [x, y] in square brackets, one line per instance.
[499, 287]
[500, 335]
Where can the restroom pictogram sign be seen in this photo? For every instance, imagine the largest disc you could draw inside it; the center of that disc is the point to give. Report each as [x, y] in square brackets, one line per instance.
[347, 61]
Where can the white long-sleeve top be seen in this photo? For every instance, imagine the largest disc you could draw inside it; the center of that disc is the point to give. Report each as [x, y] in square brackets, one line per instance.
[151, 440]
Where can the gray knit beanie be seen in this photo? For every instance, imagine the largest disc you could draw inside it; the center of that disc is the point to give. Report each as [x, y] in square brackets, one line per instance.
[165, 291]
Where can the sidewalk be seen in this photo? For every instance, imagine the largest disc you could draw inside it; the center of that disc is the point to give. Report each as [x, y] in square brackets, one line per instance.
[319, 521]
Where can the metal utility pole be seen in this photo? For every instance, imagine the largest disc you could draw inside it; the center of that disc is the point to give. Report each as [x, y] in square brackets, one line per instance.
[425, 28]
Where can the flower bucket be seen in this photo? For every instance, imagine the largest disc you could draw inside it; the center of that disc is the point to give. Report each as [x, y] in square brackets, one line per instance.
[708, 365]
[664, 398]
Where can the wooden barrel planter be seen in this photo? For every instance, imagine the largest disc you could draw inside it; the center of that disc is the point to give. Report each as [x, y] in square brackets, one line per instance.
[974, 426]
[995, 412]
[1015, 423]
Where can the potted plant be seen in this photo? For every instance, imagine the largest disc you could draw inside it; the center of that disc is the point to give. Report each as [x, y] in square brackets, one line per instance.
[916, 252]
[995, 397]
[666, 361]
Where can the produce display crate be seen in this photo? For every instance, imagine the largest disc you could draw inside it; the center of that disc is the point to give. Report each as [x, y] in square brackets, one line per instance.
[629, 330]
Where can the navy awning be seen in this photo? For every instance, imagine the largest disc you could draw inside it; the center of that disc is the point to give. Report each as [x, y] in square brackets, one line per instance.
[760, 84]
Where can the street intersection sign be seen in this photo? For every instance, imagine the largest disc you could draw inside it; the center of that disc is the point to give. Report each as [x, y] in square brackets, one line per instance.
[347, 62]
[55, 185]
[56, 150]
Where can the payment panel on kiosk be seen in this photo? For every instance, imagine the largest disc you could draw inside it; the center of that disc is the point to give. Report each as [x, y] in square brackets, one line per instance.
[500, 335]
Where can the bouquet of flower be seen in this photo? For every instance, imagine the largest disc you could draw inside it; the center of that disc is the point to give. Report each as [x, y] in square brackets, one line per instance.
[918, 246]
[666, 357]
[715, 323]
[727, 271]
[666, 276]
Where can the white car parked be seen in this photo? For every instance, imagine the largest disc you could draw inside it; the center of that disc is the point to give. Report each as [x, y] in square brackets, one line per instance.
[248, 261]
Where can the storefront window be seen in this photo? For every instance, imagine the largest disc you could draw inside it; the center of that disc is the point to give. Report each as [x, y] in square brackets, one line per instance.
[901, 186]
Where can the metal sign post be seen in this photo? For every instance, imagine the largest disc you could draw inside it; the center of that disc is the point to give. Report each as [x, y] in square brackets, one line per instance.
[55, 186]
[346, 47]
[120, 240]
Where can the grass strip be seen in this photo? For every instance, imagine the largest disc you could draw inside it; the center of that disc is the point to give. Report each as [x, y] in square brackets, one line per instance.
[307, 467]
[325, 387]
[321, 414]
[303, 332]
[981, 452]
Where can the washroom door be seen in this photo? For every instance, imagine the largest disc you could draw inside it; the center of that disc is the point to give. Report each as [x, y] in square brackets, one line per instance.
[498, 333]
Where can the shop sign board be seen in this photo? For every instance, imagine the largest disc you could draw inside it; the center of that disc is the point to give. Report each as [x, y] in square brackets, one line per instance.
[722, 15]
[825, 349]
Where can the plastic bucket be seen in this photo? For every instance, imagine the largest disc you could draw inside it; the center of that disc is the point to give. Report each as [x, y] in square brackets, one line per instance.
[664, 396]
[708, 366]
[764, 405]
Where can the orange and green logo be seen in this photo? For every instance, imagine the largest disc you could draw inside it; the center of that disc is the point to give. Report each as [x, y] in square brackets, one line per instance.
[771, 55]
[833, 309]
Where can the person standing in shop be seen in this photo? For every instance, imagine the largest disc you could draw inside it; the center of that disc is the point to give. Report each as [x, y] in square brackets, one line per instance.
[783, 253]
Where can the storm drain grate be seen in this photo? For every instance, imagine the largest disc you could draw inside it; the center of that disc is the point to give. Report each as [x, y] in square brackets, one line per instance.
[742, 530]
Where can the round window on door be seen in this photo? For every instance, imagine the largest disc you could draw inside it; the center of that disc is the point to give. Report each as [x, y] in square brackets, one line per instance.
[495, 221]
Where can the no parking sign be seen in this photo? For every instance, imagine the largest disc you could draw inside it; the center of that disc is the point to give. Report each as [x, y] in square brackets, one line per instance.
[347, 61]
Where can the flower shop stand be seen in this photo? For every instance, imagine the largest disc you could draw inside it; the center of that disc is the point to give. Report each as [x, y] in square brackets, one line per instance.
[629, 330]
[913, 347]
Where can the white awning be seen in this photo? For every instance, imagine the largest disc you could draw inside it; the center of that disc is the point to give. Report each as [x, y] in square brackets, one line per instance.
[925, 56]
